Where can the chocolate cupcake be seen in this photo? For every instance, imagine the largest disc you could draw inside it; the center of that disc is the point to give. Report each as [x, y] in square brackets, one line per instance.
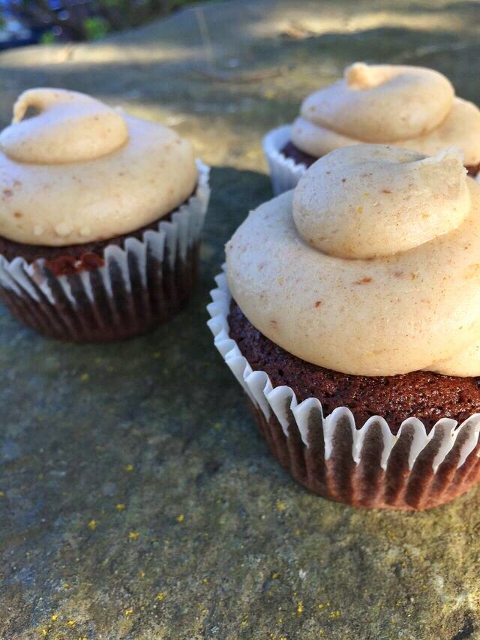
[101, 216]
[406, 107]
[349, 314]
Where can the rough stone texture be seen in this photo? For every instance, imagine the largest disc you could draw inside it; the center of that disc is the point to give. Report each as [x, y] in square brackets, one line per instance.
[137, 500]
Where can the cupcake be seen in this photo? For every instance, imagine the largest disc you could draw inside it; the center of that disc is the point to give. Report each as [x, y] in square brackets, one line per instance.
[350, 315]
[407, 107]
[100, 220]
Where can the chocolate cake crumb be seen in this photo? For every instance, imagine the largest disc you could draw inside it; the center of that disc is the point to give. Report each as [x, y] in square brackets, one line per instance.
[68, 265]
[291, 151]
[426, 395]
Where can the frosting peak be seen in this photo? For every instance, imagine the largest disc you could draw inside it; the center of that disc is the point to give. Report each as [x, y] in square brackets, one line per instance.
[69, 127]
[369, 201]
[361, 76]
[382, 103]
[409, 107]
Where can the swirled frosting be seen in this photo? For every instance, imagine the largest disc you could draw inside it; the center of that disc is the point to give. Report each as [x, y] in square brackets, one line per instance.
[78, 171]
[409, 107]
[371, 266]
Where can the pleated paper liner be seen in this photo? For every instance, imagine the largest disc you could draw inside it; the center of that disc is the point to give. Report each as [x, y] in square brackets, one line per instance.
[139, 285]
[284, 172]
[360, 465]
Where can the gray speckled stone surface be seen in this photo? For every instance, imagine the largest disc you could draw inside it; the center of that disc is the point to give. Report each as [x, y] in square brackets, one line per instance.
[137, 500]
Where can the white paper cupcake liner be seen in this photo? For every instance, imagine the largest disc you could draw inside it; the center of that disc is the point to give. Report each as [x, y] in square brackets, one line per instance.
[362, 465]
[284, 172]
[139, 284]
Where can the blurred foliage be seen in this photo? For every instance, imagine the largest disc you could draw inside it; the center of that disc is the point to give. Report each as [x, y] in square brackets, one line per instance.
[80, 20]
[95, 28]
[47, 38]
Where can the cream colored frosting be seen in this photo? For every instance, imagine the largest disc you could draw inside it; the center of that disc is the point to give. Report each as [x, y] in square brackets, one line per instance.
[409, 107]
[79, 171]
[397, 291]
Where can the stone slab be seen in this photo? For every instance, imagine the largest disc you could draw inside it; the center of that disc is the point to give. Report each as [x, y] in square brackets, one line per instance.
[137, 500]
